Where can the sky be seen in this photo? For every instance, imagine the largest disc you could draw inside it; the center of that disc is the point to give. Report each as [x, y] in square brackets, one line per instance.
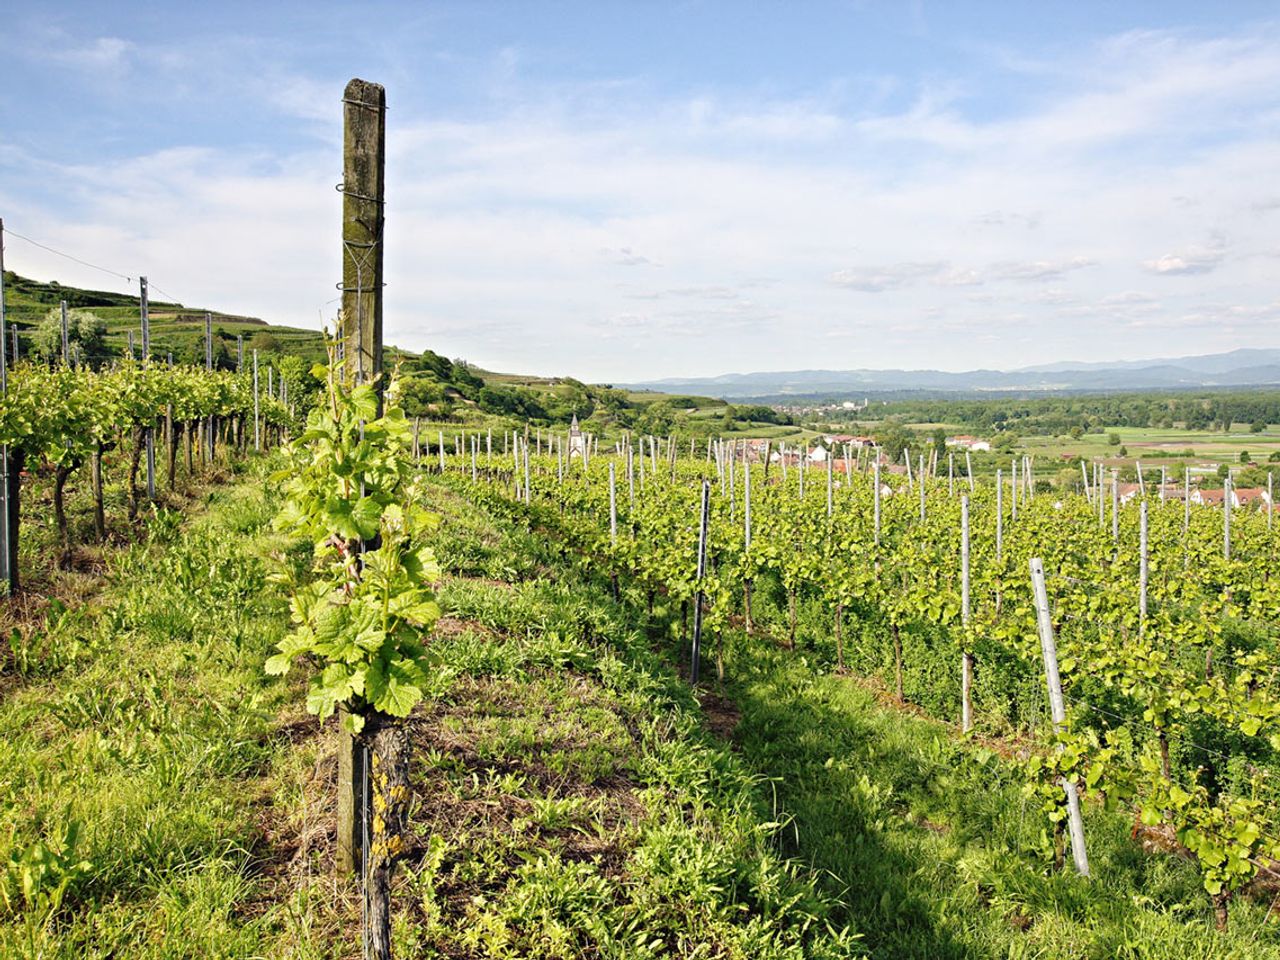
[629, 191]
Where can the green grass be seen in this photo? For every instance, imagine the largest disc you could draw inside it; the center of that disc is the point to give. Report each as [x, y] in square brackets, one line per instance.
[925, 840]
[569, 800]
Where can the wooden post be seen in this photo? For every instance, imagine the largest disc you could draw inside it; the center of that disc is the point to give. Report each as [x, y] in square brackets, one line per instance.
[696, 653]
[1057, 706]
[1271, 507]
[363, 214]
[951, 472]
[1084, 476]
[440, 437]
[922, 492]
[351, 776]
[968, 466]
[360, 338]
[966, 657]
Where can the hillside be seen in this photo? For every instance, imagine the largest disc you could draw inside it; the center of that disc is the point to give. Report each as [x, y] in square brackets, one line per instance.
[437, 388]
[175, 327]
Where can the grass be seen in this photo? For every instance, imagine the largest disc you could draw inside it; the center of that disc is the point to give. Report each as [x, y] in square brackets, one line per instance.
[926, 841]
[165, 798]
[572, 797]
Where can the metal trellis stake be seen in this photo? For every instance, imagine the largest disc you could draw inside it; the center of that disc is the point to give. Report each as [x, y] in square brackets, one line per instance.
[696, 653]
[1057, 706]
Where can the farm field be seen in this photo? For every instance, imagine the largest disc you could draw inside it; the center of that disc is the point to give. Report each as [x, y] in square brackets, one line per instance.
[1154, 444]
[568, 783]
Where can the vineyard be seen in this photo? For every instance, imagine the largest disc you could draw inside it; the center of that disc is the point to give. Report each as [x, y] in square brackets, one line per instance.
[337, 662]
[1163, 616]
[862, 758]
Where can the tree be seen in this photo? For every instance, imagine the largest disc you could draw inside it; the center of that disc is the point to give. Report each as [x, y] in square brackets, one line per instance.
[432, 362]
[85, 331]
[1244, 456]
[264, 342]
[1258, 426]
[1123, 451]
[940, 443]
[1113, 440]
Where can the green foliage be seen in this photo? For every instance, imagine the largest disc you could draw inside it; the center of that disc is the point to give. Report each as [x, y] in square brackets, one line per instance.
[86, 334]
[38, 877]
[364, 615]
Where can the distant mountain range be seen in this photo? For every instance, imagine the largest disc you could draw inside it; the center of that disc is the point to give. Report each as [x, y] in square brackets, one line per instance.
[1239, 368]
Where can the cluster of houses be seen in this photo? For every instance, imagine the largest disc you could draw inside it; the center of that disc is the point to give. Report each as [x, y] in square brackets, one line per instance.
[1255, 497]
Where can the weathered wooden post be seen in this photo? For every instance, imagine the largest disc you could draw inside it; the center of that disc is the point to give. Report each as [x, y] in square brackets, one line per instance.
[363, 215]
[378, 760]
[1057, 707]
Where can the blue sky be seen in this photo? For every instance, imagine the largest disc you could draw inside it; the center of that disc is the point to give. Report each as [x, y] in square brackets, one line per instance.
[622, 191]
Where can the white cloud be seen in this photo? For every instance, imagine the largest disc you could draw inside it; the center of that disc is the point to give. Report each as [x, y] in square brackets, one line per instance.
[1037, 269]
[518, 233]
[1199, 260]
[102, 55]
[887, 277]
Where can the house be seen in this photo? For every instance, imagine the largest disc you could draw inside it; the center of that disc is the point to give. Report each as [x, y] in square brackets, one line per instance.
[1250, 497]
[1240, 497]
[1127, 491]
[964, 441]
